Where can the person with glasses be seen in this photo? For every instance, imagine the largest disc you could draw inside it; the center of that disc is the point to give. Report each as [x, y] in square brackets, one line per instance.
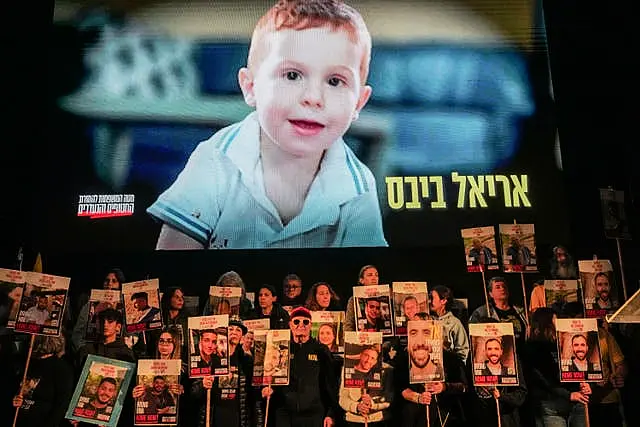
[113, 281]
[311, 398]
[292, 296]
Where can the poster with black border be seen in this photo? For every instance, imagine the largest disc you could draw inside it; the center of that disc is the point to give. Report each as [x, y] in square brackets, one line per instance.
[12, 283]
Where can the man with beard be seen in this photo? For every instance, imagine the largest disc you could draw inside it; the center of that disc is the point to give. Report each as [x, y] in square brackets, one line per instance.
[159, 400]
[603, 289]
[368, 360]
[580, 348]
[310, 399]
[443, 398]
[519, 253]
[234, 402]
[101, 404]
[373, 319]
[39, 313]
[422, 367]
[562, 266]
[493, 364]
[481, 254]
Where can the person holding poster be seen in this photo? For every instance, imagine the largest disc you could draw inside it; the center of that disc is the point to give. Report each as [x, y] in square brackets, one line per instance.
[499, 377]
[368, 276]
[45, 394]
[555, 402]
[371, 406]
[454, 334]
[234, 403]
[501, 309]
[446, 408]
[310, 399]
[231, 279]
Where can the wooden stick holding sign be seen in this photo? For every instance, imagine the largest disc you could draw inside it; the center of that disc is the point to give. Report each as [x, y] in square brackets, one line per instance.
[624, 282]
[24, 377]
[498, 409]
[484, 286]
[587, 422]
[266, 412]
[366, 416]
[208, 413]
[524, 292]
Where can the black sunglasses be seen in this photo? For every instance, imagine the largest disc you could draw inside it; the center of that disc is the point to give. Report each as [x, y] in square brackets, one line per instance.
[305, 322]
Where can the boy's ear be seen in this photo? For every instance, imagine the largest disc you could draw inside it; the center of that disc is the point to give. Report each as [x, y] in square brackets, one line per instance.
[245, 80]
[365, 94]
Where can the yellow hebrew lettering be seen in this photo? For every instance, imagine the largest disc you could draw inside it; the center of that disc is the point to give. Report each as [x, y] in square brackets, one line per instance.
[506, 189]
[491, 185]
[476, 188]
[415, 197]
[395, 192]
[462, 190]
[520, 189]
[439, 203]
[424, 186]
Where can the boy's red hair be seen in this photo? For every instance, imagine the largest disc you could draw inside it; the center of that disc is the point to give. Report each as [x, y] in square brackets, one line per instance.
[305, 14]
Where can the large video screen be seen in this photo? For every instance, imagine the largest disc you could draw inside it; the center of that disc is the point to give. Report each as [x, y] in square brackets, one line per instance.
[232, 125]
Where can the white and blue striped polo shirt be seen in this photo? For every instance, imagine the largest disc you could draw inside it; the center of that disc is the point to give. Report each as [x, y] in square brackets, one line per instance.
[219, 198]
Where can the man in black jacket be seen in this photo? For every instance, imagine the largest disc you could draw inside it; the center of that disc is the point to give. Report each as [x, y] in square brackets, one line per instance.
[311, 398]
[234, 403]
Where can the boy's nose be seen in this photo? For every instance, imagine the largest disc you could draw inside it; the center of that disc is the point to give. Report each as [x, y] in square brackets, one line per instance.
[313, 97]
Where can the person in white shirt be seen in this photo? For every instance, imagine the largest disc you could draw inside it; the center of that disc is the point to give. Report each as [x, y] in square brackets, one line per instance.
[39, 313]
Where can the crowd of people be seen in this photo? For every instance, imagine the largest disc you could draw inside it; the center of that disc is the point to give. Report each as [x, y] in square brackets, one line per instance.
[316, 394]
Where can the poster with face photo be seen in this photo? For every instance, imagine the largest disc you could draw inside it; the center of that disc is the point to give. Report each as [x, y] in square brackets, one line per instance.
[208, 349]
[100, 300]
[579, 350]
[225, 300]
[253, 326]
[362, 360]
[100, 391]
[558, 293]
[158, 388]
[42, 304]
[518, 243]
[326, 327]
[373, 309]
[493, 353]
[409, 299]
[142, 305]
[12, 284]
[424, 345]
[480, 248]
[271, 363]
[614, 215]
[599, 287]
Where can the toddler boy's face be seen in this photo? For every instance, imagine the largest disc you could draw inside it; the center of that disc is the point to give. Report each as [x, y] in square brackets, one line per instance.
[307, 88]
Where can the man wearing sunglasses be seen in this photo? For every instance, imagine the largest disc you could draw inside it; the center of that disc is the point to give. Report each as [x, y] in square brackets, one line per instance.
[311, 398]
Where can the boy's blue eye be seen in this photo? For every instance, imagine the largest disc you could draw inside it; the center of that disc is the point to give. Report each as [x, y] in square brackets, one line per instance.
[335, 81]
[292, 75]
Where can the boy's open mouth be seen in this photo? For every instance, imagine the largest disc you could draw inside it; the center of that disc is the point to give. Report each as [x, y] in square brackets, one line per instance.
[307, 127]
